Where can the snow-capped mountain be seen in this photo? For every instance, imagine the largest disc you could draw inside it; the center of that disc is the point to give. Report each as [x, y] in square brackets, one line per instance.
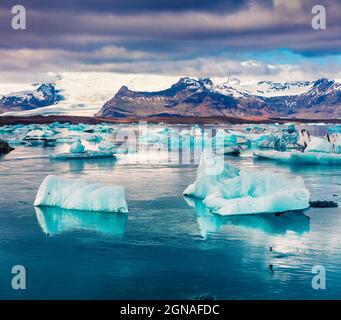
[187, 97]
[150, 95]
[322, 99]
[272, 89]
[200, 97]
[44, 95]
[85, 92]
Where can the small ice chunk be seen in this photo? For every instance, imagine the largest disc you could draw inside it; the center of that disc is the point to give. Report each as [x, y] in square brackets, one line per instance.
[77, 147]
[85, 195]
[107, 146]
[77, 127]
[40, 133]
[94, 138]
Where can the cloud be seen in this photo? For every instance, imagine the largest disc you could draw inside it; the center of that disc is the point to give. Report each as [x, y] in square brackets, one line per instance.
[133, 6]
[176, 37]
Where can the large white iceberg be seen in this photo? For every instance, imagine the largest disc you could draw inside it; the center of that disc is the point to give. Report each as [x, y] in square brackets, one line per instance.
[74, 194]
[227, 190]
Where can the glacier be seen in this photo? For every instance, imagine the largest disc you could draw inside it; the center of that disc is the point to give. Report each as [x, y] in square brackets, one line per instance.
[227, 190]
[56, 191]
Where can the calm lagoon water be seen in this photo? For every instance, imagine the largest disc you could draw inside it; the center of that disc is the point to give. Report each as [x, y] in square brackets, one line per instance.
[167, 247]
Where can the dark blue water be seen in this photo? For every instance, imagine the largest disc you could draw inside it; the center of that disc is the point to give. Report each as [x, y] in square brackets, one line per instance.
[163, 248]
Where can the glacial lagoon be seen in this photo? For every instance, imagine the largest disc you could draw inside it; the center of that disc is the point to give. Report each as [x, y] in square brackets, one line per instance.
[167, 246]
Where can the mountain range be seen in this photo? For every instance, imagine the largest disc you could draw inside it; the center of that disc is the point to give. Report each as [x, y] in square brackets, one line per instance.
[191, 97]
[44, 95]
[319, 99]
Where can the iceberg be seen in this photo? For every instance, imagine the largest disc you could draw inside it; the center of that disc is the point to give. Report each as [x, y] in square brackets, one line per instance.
[40, 133]
[104, 128]
[85, 195]
[6, 129]
[296, 157]
[227, 190]
[107, 146]
[230, 151]
[77, 127]
[77, 147]
[94, 138]
[282, 140]
[317, 144]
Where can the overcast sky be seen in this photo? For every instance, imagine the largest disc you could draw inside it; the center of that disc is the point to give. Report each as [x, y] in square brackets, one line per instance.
[245, 38]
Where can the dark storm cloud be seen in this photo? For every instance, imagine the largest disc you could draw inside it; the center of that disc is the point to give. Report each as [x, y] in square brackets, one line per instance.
[155, 32]
[133, 6]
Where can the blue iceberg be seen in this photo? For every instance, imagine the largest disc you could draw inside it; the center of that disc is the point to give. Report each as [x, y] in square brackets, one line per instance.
[227, 190]
[85, 195]
[77, 147]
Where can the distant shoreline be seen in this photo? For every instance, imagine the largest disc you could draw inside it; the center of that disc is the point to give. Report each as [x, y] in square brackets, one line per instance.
[38, 119]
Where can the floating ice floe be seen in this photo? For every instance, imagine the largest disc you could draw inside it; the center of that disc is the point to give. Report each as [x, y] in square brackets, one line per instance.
[38, 133]
[89, 154]
[227, 190]
[77, 151]
[77, 127]
[80, 195]
[94, 138]
[70, 139]
[231, 151]
[318, 151]
[104, 128]
[296, 157]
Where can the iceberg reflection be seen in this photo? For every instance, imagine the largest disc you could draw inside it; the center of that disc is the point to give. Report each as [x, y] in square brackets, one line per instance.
[293, 221]
[54, 220]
